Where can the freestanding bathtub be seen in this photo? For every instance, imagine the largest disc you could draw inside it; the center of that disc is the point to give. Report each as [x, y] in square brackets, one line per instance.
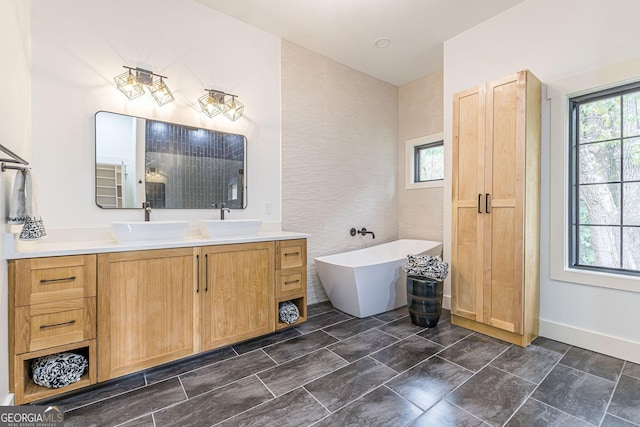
[371, 281]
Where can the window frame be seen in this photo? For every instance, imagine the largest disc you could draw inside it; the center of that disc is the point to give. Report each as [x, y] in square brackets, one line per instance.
[574, 172]
[411, 168]
[556, 174]
[416, 160]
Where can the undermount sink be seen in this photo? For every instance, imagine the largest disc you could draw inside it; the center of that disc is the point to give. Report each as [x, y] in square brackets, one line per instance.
[229, 227]
[143, 231]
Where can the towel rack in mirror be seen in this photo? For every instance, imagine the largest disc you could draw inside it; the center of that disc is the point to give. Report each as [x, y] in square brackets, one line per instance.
[13, 158]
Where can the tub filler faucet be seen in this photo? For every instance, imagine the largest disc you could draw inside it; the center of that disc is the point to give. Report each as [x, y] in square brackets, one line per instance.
[363, 231]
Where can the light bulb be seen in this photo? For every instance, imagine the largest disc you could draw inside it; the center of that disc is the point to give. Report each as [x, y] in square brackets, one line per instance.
[129, 86]
[210, 103]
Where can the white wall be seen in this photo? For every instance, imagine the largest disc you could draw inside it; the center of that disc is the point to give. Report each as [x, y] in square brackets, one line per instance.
[555, 40]
[420, 211]
[339, 156]
[80, 46]
[15, 109]
[117, 140]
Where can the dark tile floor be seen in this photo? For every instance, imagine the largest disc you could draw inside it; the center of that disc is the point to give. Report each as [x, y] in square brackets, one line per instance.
[335, 370]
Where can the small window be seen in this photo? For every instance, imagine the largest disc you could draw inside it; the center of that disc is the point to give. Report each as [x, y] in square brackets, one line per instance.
[425, 162]
[604, 219]
[429, 160]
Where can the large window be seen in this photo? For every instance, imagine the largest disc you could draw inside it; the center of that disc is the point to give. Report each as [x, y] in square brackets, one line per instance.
[604, 214]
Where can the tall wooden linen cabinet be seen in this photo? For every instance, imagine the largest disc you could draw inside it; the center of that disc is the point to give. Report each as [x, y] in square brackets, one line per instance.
[496, 208]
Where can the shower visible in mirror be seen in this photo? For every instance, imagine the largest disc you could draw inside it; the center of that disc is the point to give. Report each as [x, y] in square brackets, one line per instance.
[169, 165]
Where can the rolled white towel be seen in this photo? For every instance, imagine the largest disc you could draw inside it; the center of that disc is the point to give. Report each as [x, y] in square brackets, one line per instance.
[33, 228]
[16, 209]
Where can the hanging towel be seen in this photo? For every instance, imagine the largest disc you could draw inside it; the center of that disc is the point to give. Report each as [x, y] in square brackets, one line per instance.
[16, 211]
[33, 228]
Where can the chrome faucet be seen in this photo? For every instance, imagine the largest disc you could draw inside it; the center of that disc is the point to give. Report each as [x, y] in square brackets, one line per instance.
[147, 211]
[222, 209]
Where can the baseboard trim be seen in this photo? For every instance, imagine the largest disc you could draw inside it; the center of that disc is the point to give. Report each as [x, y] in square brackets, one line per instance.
[7, 400]
[594, 341]
[446, 302]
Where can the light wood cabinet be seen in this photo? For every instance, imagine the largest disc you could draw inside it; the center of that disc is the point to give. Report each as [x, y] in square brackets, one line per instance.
[496, 208]
[145, 309]
[52, 309]
[291, 278]
[236, 298]
[128, 311]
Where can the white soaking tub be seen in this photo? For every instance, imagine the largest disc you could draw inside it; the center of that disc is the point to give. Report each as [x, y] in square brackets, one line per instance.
[371, 281]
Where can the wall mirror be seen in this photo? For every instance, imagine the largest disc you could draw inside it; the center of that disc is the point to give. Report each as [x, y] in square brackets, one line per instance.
[167, 164]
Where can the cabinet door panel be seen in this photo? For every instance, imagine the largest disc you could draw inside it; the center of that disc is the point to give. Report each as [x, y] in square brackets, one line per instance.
[501, 129]
[145, 309]
[467, 219]
[466, 298]
[504, 229]
[238, 299]
[503, 286]
[468, 150]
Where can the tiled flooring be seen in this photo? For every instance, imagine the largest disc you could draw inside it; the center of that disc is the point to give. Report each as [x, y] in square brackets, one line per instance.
[335, 370]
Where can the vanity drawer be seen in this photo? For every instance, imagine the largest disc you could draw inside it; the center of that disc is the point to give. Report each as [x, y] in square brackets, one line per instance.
[291, 254]
[291, 282]
[52, 324]
[44, 280]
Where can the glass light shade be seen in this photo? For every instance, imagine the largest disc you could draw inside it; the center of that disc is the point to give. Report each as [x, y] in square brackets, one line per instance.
[129, 85]
[233, 109]
[211, 103]
[161, 92]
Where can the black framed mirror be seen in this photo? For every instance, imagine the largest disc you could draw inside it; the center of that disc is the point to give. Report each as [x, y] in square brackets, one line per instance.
[169, 165]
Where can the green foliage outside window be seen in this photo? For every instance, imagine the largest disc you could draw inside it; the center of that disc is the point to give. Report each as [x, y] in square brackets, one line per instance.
[429, 160]
[606, 181]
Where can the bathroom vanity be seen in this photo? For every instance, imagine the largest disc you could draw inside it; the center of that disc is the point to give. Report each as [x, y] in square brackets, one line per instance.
[127, 308]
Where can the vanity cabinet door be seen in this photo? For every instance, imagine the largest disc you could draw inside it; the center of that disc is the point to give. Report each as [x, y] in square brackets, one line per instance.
[237, 299]
[145, 309]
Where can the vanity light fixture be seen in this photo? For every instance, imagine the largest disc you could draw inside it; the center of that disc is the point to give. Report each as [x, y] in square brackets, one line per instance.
[160, 92]
[211, 103]
[128, 84]
[132, 83]
[233, 109]
[216, 102]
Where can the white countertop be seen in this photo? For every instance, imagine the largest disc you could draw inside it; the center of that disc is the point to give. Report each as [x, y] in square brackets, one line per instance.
[98, 240]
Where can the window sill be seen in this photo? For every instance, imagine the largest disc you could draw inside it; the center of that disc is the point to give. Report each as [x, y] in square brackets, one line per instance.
[619, 282]
[420, 185]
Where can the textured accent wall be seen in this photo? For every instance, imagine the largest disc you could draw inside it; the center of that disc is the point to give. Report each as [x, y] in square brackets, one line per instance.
[420, 211]
[339, 156]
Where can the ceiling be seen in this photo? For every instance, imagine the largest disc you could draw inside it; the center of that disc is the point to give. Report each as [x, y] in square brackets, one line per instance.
[345, 30]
